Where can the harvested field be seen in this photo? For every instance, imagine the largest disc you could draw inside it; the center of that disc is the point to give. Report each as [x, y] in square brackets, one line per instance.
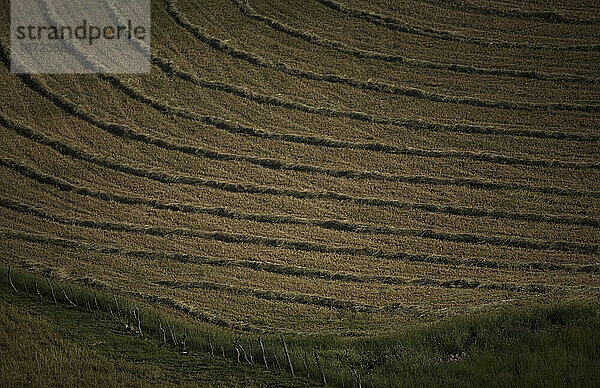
[334, 167]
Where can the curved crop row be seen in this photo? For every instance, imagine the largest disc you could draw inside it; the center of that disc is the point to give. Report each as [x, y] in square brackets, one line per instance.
[223, 46]
[311, 140]
[273, 163]
[238, 238]
[287, 297]
[468, 238]
[398, 25]
[292, 193]
[279, 269]
[547, 15]
[169, 68]
[203, 316]
[330, 224]
[369, 54]
[235, 128]
[436, 97]
[276, 164]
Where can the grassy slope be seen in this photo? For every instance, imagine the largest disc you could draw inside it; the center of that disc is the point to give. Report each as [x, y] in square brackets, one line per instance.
[550, 346]
[545, 346]
[46, 345]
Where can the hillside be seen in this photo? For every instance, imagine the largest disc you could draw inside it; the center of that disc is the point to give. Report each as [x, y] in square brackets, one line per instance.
[319, 169]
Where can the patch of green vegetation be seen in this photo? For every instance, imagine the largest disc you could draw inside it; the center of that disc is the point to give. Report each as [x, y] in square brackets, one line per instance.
[538, 346]
[543, 346]
[43, 344]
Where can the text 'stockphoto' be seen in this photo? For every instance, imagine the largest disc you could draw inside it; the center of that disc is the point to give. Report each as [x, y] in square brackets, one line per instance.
[299, 193]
